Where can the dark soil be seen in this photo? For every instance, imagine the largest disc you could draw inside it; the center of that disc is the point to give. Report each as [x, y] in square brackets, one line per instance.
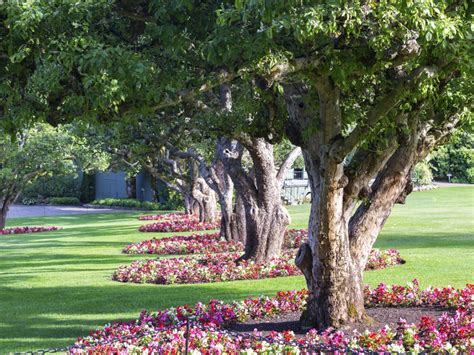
[381, 316]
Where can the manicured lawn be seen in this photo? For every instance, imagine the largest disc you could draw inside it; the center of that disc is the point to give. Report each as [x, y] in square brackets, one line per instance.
[56, 286]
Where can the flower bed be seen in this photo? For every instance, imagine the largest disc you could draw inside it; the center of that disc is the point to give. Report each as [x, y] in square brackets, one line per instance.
[190, 244]
[164, 331]
[25, 230]
[174, 216]
[202, 243]
[178, 226]
[222, 267]
[210, 268]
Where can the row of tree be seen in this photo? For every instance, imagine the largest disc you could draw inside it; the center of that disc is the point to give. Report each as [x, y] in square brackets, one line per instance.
[365, 89]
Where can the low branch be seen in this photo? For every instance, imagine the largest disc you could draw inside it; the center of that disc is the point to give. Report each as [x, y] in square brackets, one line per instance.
[287, 164]
[276, 73]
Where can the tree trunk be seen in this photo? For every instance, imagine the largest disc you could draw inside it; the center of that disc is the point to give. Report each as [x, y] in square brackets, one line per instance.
[340, 241]
[206, 200]
[264, 228]
[5, 206]
[3, 217]
[238, 221]
[216, 176]
[154, 187]
[265, 217]
[189, 203]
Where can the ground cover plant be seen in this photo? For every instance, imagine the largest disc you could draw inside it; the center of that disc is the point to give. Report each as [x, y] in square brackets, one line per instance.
[164, 331]
[26, 230]
[189, 244]
[202, 243]
[186, 225]
[173, 216]
[222, 267]
[433, 233]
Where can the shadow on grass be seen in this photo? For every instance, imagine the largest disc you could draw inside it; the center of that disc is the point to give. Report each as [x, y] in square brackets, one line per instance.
[52, 313]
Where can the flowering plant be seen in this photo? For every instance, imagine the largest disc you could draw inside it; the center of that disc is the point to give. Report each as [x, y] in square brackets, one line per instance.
[222, 267]
[210, 268]
[174, 216]
[25, 230]
[179, 226]
[163, 332]
[190, 244]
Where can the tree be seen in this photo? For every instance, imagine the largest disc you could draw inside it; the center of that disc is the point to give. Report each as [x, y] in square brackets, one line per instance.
[39, 151]
[370, 89]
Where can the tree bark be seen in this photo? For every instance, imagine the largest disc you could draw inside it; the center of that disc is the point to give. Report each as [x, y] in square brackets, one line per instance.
[154, 187]
[5, 206]
[265, 217]
[3, 217]
[238, 224]
[206, 200]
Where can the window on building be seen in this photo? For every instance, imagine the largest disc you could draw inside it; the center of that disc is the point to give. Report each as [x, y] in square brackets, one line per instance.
[298, 174]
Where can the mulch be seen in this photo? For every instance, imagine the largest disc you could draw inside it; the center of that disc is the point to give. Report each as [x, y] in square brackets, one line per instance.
[381, 316]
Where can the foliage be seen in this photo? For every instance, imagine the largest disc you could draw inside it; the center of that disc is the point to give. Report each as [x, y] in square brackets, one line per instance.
[64, 201]
[422, 174]
[455, 158]
[29, 201]
[164, 331]
[39, 151]
[127, 203]
[52, 186]
[87, 188]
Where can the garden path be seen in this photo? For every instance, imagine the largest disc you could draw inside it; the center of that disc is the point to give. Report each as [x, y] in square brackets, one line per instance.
[17, 211]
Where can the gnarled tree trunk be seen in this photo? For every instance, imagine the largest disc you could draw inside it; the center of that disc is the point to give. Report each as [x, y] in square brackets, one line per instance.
[206, 200]
[232, 214]
[265, 217]
[340, 239]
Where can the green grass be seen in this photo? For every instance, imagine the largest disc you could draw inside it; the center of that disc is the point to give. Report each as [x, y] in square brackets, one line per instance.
[56, 286]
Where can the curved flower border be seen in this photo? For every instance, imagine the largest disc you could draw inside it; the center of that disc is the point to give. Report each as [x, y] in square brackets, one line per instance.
[179, 226]
[222, 267]
[204, 243]
[26, 230]
[163, 332]
[189, 244]
[173, 216]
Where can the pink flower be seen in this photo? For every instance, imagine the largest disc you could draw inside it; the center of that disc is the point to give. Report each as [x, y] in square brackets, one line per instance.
[25, 230]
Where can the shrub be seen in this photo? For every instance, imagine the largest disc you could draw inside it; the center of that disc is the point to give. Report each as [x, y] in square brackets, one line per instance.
[127, 203]
[455, 158]
[29, 201]
[52, 186]
[470, 175]
[64, 201]
[422, 174]
[87, 188]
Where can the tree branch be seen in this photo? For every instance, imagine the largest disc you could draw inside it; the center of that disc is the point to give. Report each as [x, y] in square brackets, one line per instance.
[343, 146]
[287, 164]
